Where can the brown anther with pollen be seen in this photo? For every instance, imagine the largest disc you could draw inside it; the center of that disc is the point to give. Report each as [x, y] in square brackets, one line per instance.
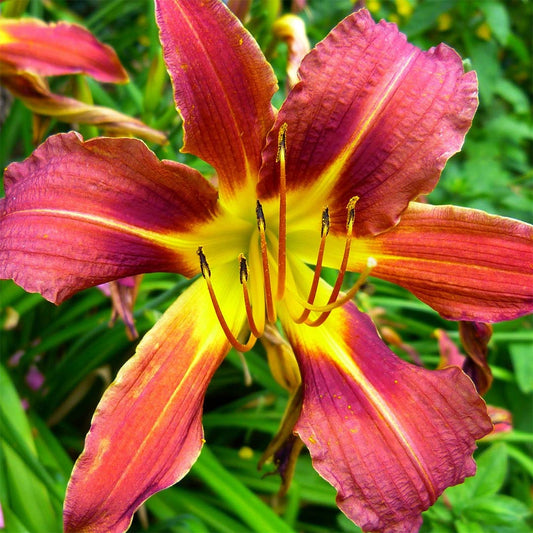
[344, 263]
[334, 301]
[324, 232]
[243, 266]
[261, 225]
[204, 267]
[282, 230]
[206, 273]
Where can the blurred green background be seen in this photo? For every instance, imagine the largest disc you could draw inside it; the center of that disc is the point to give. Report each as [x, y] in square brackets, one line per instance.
[57, 361]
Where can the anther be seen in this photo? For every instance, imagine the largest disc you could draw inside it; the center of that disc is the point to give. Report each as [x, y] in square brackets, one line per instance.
[324, 231]
[206, 273]
[269, 300]
[243, 266]
[342, 270]
[282, 142]
[261, 224]
[351, 211]
[243, 269]
[204, 267]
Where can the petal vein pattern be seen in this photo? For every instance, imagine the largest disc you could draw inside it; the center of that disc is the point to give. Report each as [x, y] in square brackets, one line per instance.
[388, 435]
[374, 117]
[146, 432]
[222, 87]
[66, 225]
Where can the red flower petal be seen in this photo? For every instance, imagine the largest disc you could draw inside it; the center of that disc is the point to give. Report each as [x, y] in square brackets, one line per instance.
[54, 49]
[223, 87]
[146, 432]
[464, 263]
[373, 116]
[389, 436]
[77, 214]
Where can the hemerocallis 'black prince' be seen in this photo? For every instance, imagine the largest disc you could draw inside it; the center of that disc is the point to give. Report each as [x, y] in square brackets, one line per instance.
[329, 181]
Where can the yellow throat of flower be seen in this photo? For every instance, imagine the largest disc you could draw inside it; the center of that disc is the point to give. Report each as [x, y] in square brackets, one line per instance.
[273, 267]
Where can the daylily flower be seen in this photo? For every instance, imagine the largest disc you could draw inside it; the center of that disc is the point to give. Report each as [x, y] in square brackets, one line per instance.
[31, 49]
[329, 180]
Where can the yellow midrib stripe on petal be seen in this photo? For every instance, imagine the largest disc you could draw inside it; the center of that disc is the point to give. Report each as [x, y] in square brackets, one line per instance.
[5, 38]
[329, 176]
[206, 343]
[171, 242]
[340, 356]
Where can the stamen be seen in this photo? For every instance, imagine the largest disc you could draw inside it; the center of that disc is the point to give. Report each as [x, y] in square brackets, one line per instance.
[269, 300]
[282, 247]
[324, 231]
[371, 263]
[248, 306]
[342, 270]
[206, 273]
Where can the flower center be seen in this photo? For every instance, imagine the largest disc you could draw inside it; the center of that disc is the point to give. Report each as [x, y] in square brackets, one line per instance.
[270, 297]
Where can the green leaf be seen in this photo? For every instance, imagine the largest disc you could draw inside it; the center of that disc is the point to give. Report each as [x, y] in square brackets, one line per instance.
[426, 15]
[466, 526]
[513, 94]
[12, 524]
[170, 505]
[498, 20]
[496, 510]
[30, 487]
[522, 458]
[491, 471]
[484, 57]
[250, 509]
[522, 357]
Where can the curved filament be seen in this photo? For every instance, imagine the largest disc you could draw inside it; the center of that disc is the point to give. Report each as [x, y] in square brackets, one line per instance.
[206, 273]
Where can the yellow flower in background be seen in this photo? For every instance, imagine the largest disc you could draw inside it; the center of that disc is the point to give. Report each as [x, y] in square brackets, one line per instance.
[483, 31]
[373, 6]
[404, 8]
[444, 22]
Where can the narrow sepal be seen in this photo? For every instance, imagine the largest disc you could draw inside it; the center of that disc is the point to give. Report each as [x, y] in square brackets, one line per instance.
[55, 49]
[388, 435]
[146, 432]
[222, 86]
[374, 117]
[77, 214]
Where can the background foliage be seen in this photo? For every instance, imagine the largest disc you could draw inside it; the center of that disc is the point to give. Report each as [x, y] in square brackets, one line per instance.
[57, 361]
